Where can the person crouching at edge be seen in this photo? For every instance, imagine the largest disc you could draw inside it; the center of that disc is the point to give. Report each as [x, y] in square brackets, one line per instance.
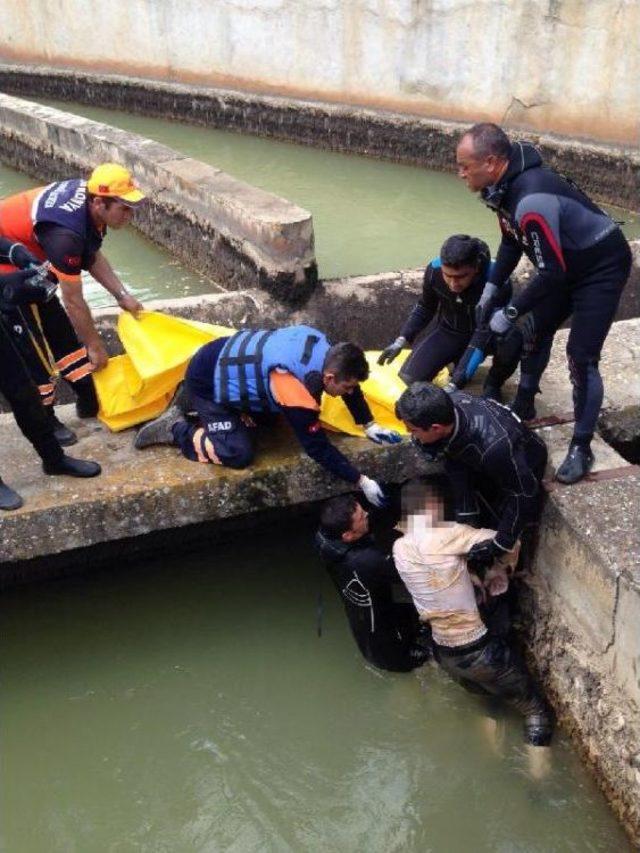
[387, 631]
[431, 560]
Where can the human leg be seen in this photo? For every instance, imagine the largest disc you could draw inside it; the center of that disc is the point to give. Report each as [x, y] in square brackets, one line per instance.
[507, 352]
[219, 435]
[439, 347]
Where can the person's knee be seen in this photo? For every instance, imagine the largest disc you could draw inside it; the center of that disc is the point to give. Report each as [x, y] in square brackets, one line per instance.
[238, 458]
[582, 368]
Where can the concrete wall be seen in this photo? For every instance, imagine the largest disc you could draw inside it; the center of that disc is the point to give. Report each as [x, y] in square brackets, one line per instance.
[568, 66]
[238, 234]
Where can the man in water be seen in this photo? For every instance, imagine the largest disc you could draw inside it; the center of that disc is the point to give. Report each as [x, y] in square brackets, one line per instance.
[65, 223]
[386, 630]
[489, 456]
[451, 311]
[232, 383]
[582, 263]
[430, 558]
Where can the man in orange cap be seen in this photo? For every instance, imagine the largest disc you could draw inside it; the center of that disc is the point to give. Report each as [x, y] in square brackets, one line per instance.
[65, 224]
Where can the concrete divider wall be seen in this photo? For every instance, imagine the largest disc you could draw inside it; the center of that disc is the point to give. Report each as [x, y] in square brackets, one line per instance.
[570, 66]
[235, 233]
[611, 174]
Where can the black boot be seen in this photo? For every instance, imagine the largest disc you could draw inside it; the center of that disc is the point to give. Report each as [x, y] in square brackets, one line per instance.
[65, 436]
[577, 464]
[72, 467]
[524, 405]
[492, 392]
[9, 499]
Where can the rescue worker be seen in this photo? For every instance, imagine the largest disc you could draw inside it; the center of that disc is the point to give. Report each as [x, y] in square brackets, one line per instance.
[65, 223]
[489, 455]
[16, 386]
[430, 559]
[386, 630]
[448, 308]
[233, 382]
[582, 262]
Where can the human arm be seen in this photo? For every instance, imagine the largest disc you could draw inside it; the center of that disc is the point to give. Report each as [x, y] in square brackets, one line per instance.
[82, 321]
[103, 273]
[423, 311]
[16, 254]
[361, 413]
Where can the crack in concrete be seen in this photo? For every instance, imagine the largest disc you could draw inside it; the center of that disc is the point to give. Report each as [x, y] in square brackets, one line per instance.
[614, 616]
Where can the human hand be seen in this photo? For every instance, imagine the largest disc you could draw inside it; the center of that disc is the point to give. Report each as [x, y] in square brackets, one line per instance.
[500, 323]
[19, 288]
[97, 354]
[392, 351]
[486, 297]
[372, 491]
[482, 556]
[129, 303]
[21, 257]
[381, 435]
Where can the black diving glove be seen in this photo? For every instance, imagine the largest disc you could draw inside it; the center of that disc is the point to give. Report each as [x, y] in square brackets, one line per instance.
[483, 555]
[26, 286]
[391, 352]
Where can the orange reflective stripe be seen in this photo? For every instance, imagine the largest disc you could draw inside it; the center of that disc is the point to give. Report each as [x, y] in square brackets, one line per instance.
[16, 222]
[79, 373]
[289, 391]
[66, 360]
[208, 454]
[74, 278]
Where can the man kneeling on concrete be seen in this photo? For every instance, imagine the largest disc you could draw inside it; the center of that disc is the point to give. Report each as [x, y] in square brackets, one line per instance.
[430, 559]
[386, 629]
[232, 381]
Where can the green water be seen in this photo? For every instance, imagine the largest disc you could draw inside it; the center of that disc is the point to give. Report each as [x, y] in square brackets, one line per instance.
[149, 271]
[369, 215]
[188, 705]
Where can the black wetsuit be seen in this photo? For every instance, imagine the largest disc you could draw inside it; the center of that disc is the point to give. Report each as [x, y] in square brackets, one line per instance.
[582, 262]
[384, 628]
[493, 455]
[451, 321]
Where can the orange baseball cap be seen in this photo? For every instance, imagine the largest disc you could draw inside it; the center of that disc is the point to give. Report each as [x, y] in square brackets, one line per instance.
[111, 179]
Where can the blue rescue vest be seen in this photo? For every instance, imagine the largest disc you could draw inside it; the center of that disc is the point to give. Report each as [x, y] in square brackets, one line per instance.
[63, 203]
[241, 374]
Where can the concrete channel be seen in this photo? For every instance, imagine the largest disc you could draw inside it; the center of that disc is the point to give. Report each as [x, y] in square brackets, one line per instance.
[582, 606]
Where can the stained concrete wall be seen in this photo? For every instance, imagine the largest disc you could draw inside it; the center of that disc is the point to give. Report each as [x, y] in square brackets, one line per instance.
[608, 173]
[569, 66]
[238, 234]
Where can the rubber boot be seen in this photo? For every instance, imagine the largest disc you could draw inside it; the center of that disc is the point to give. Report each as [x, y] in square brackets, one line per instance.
[159, 430]
[577, 464]
[71, 467]
[9, 499]
[492, 392]
[524, 405]
[65, 436]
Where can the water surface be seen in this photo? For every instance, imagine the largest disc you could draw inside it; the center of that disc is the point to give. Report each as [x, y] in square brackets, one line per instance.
[187, 704]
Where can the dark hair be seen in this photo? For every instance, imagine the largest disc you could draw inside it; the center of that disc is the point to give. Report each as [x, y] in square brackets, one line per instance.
[423, 405]
[488, 139]
[337, 515]
[461, 250]
[347, 361]
[414, 492]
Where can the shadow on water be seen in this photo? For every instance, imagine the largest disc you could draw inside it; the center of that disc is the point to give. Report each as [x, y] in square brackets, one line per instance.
[188, 704]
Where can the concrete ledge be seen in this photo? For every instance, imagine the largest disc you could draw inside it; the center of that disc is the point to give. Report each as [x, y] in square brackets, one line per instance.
[235, 233]
[611, 174]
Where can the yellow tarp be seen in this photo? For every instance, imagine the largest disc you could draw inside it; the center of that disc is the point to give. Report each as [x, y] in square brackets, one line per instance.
[138, 386]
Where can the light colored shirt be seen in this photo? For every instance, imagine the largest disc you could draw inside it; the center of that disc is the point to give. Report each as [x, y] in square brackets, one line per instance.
[431, 561]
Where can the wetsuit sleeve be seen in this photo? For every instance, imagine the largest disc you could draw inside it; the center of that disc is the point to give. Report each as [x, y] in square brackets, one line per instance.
[315, 443]
[507, 466]
[463, 490]
[509, 253]
[538, 216]
[358, 406]
[63, 248]
[423, 311]
[5, 245]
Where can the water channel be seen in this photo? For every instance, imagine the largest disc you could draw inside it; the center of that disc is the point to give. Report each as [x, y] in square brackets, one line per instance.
[187, 704]
[369, 215]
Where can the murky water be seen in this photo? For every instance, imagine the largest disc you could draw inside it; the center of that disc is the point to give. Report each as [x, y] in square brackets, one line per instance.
[369, 215]
[188, 705]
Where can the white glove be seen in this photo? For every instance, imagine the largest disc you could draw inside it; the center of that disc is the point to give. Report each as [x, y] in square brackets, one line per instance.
[380, 435]
[372, 491]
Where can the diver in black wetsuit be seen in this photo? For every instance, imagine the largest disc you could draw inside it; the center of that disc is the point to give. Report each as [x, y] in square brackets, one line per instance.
[488, 453]
[582, 263]
[387, 631]
[450, 310]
